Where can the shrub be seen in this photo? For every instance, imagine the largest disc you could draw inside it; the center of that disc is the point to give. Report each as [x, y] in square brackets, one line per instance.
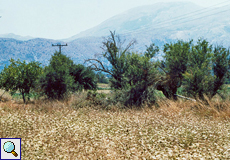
[84, 77]
[19, 76]
[56, 81]
[207, 70]
[62, 76]
[173, 67]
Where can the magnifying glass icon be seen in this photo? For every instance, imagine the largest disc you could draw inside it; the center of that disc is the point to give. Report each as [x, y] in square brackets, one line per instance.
[9, 147]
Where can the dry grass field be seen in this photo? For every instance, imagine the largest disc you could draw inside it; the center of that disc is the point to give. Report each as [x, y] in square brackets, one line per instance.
[103, 85]
[175, 130]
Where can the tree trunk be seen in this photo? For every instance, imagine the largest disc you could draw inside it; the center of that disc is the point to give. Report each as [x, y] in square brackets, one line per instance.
[23, 96]
[166, 92]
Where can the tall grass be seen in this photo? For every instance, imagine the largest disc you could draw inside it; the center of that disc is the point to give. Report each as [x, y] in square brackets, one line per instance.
[75, 129]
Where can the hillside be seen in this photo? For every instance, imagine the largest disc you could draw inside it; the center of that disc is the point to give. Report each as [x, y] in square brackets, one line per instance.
[164, 22]
[137, 19]
[158, 23]
[14, 36]
[41, 49]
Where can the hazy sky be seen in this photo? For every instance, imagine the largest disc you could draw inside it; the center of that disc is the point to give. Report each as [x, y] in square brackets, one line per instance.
[59, 19]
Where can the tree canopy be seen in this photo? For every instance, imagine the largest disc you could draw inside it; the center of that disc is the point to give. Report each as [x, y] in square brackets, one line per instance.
[20, 76]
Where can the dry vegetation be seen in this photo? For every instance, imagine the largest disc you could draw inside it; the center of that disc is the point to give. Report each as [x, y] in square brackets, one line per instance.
[103, 85]
[175, 130]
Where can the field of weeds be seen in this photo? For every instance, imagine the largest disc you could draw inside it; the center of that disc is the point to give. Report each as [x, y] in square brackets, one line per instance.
[174, 130]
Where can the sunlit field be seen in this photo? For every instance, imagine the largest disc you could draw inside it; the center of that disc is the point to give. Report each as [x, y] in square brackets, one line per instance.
[175, 130]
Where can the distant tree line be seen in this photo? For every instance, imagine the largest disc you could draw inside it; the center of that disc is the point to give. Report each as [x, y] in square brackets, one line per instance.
[200, 69]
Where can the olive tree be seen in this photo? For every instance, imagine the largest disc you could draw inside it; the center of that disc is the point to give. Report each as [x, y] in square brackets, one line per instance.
[20, 76]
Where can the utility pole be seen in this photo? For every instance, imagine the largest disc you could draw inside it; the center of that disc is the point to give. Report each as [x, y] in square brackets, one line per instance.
[59, 45]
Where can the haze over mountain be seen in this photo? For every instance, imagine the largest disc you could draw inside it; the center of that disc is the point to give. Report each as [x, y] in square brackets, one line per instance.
[162, 21]
[158, 23]
[14, 36]
[140, 18]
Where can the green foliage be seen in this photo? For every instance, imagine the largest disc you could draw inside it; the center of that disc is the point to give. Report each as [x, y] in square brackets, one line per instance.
[84, 77]
[19, 76]
[62, 76]
[101, 78]
[151, 50]
[140, 76]
[96, 98]
[174, 65]
[221, 62]
[56, 81]
[140, 71]
[116, 55]
[198, 79]
[207, 71]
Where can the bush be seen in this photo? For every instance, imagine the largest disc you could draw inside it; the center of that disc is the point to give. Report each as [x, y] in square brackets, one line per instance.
[101, 78]
[56, 81]
[173, 67]
[137, 96]
[19, 76]
[84, 77]
[98, 99]
[62, 77]
[207, 70]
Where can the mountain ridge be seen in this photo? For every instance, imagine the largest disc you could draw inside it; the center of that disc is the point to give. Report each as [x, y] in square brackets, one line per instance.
[160, 23]
[17, 37]
[126, 18]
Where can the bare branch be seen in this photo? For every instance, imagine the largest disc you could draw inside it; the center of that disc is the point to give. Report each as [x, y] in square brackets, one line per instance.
[96, 67]
[162, 69]
[130, 45]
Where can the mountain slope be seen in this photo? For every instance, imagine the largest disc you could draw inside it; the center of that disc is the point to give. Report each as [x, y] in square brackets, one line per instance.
[17, 37]
[175, 20]
[159, 23]
[41, 49]
[140, 17]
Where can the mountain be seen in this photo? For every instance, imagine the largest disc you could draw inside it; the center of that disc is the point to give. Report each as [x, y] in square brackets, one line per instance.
[17, 37]
[159, 23]
[165, 22]
[140, 18]
[41, 49]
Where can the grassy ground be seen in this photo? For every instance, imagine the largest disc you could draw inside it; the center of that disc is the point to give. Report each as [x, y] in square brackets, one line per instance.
[176, 130]
[103, 85]
[104, 91]
[104, 88]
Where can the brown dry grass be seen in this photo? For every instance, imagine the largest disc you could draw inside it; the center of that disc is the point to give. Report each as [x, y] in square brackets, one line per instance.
[104, 91]
[103, 85]
[176, 130]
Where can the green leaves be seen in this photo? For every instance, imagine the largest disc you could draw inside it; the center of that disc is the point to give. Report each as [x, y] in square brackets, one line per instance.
[56, 81]
[207, 70]
[84, 76]
[141, 77]
[175, 63]
[151, 50]
[62, 76]
[19, 76]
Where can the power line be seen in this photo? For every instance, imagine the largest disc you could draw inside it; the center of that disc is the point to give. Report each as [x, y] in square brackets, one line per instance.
[166, 22]
[178, 19]
[184, 17]
[197, 12]
[191, 20]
